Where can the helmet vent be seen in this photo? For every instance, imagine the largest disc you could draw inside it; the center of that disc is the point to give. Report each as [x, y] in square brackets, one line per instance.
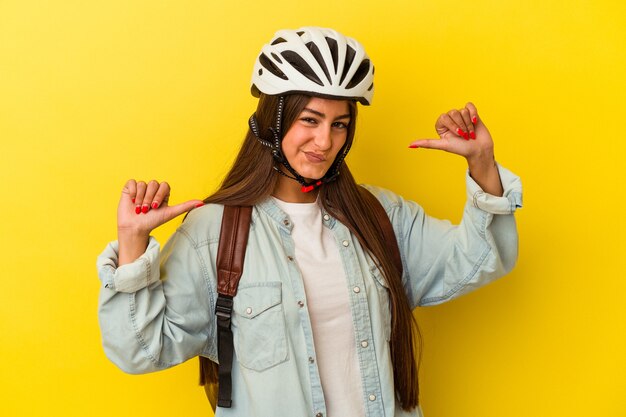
[277, 58]
[350, 52]
[318, 57]
[301, 66]
[271, 67]
[332, 45]
[300, 32]
[360, 73]
[278, 40]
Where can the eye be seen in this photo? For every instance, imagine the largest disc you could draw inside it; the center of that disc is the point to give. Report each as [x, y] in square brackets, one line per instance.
[308, 120]
[340, 125]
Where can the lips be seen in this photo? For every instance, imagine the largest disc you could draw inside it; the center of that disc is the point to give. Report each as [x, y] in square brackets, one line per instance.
[314, 157]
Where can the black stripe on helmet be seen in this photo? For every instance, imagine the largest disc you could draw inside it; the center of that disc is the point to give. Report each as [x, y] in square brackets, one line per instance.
[350, 53]
[332, 45]
[360, 73]
[315, 51]
[271, 67]
[277, 41]
[301, 66]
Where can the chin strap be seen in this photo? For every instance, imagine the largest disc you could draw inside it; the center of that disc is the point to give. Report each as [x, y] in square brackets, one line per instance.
[278, 155]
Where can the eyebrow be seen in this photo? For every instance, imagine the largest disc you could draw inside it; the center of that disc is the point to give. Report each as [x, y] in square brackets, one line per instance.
[323, 116]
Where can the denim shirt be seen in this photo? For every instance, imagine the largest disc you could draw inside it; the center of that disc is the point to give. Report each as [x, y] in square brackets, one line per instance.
[159, 310]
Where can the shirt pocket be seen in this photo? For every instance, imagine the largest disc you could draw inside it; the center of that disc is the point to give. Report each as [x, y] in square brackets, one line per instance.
[384, 303]
[259, 333]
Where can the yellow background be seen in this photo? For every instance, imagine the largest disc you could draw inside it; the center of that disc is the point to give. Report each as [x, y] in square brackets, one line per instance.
[93, 93]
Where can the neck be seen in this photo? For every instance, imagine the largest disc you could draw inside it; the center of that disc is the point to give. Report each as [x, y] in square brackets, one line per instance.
[289, 190]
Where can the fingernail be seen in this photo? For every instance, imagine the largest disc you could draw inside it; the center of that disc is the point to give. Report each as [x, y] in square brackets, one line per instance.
[413, 146]
[473, 134]
[144, 208]
[199, 205]
[474, 120]
[460, 132]
[155, 205]
[137, 209]
[133, 200]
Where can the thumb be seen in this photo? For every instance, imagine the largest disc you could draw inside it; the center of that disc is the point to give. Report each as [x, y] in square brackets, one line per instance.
[430, 144]
[178, 209]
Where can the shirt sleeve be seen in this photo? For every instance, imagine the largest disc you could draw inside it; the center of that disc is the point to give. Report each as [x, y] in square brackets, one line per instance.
[156, 312]
[443, 261]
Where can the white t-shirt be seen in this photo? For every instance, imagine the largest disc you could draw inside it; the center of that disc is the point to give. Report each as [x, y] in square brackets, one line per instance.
[317, 256]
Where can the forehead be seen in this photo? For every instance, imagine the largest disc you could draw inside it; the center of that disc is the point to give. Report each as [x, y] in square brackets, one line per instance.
[329, 107]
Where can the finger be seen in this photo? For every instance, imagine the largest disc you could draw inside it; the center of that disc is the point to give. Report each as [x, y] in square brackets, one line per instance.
[445, 124]
[141, 191]
[162, 195]
[130, 189]
[178, 209]
[458, 119]
[473, 112]
[430, 144]
[468, 122]
[148, 197]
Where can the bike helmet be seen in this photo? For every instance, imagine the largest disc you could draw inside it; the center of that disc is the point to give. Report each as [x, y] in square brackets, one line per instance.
[316, 61]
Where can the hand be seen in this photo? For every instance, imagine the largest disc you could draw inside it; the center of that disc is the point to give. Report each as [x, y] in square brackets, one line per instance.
[463, 133]
[142, 208]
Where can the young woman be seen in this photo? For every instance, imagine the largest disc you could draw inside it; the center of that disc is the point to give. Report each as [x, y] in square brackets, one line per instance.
[322, 322]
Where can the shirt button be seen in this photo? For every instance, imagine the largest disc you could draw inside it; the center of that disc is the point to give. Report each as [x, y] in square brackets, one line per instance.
[345, 243]
[364, 344]
[326, 217]
[248, 310]
[311, 360]
[356, 290]
[290, 258]
[319, 415]
[286, 222]
[372, 397]
[300, 304]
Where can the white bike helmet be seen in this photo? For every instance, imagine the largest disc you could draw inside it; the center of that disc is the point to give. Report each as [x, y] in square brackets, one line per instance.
[314, 60]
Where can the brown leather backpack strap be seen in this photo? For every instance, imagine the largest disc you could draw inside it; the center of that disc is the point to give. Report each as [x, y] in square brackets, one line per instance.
[230, 259]
[386, 226]
[232, 248]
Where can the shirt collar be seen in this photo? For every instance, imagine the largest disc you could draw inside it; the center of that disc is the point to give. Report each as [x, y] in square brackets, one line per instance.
[279, 216]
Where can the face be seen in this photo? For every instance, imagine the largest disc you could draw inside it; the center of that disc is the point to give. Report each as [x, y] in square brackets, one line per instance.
[316, 136]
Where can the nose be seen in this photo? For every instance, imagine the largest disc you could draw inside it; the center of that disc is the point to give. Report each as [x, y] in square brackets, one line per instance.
[323, 138]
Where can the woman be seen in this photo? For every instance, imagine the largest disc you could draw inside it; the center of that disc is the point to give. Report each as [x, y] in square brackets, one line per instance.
[322, 321]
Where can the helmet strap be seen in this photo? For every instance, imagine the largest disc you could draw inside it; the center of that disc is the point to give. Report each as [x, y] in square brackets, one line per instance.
[277, 153]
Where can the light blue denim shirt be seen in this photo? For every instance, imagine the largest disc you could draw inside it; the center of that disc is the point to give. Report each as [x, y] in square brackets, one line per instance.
[158, 311]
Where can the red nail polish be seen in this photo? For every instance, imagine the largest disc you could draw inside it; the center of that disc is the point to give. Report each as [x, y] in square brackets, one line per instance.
[474, 120]
[459, 132]
[413, 146]
[473, 135]
[133, 200]
[155, 205]
[137, 209]
[199, 205]
[144, 209]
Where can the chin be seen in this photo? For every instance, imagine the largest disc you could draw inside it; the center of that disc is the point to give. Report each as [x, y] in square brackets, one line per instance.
[312, 175]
